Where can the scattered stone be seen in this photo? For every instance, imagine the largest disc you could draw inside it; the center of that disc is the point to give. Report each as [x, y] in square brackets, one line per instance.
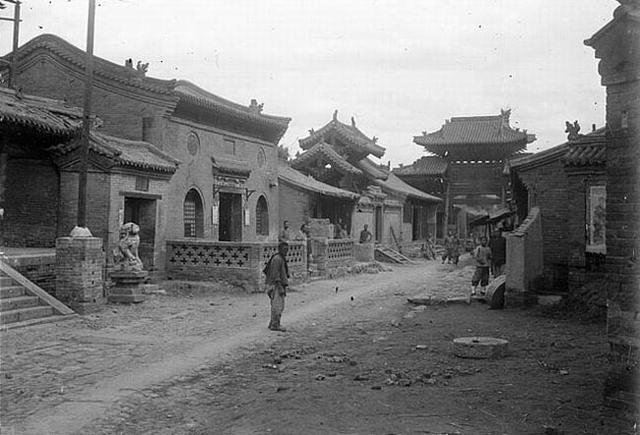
[320, 377]
[361, 377]
[376, 387]
[8, 375]
[278, 389]
[353, 363]
[270, 366]
[564, 372]
[422, 347]
[480, 347]
[277, 360]
[332, 374]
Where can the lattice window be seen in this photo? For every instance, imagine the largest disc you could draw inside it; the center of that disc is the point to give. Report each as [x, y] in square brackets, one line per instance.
[262, 217]
[193, 215]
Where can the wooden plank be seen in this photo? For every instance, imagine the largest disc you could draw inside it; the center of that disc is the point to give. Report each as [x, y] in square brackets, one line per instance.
[35, 290]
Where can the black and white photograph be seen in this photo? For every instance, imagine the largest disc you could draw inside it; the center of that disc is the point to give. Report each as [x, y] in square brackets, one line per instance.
[364, 217]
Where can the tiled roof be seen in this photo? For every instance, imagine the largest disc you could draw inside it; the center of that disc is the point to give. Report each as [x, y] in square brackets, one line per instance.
[231, 166]
[474, 130]
[44, 114]
[371, 169]
[397, 186]
[298, 179]
[588, 150]
[347, 133]
[325, 151]
[427, 165]
[171, 91]
[123, 152]
[193, 94]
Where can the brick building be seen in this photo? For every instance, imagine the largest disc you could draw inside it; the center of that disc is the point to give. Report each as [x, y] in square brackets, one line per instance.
[563, 182]
[617, 45]
[340, 155]
[466, 166]
[225, 187]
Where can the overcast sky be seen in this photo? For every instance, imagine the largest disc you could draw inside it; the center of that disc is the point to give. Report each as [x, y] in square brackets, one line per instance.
[399, 67]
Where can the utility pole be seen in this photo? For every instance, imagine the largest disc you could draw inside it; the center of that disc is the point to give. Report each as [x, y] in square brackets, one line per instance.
[16, 32]
[86, 120]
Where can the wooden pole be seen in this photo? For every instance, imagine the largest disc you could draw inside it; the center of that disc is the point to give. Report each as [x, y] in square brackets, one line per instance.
[14, 55]
[86, 120]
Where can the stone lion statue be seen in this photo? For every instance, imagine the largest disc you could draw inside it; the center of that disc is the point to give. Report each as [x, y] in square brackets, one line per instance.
[125, 254]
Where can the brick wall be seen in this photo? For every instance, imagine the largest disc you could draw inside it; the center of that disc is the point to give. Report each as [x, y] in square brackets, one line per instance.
[98, 185]
[548, 190]
[295, 205]
[121, 111]
[582, 267]
[39, 269]
[31, 201]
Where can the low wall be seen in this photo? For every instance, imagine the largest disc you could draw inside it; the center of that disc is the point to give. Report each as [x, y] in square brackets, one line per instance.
[524, 268]
[37, 268]
[237, 263]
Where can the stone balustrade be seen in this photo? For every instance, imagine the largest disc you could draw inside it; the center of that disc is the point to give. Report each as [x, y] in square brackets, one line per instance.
[237, 263]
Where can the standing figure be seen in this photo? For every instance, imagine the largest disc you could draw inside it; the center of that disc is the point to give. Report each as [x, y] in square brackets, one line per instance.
[365, 235]
[498, 246]
[285, 234]
[277, 280]
[482, 255]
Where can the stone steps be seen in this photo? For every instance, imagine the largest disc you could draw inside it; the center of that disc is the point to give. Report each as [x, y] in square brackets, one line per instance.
[15, 303]
[21, 305]
[23, 314]
[11, 291]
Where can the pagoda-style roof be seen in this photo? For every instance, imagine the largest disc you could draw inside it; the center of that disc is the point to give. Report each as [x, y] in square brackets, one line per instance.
[41, 114]
[167, 93]
[122, 153]
[348, 135]
[306, 182]
[429, 166]
[372, 170]
[476, 138]
[327, 154]
[396, 186]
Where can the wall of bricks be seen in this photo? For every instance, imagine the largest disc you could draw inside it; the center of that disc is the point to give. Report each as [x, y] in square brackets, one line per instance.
[79, 267]
[582, 267]
[548, 189]
[39, 269]
[31, 195]
[296, 205]
[98, 188]
[121, 111]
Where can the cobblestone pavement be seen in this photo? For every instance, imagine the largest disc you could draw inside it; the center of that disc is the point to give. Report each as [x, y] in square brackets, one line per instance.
[77, 368]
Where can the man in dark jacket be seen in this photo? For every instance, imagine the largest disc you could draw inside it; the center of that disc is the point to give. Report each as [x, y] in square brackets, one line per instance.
[277, 280]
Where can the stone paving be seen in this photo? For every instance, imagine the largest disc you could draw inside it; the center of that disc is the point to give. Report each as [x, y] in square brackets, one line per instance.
[46, 365]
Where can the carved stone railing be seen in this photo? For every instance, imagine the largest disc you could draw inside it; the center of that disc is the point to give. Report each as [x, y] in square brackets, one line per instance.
[237, 263]
[339, 252]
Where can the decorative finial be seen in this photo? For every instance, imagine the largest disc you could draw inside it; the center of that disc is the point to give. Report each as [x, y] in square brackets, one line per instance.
[255, 107]
[424, 132]
[335, 115]
[573, 130]
[505, 113]
[353, 122]
[374, 139]
[312, 131]
[142, 67]
[128, 63]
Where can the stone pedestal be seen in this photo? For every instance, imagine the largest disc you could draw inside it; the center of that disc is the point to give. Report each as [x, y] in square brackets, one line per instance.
[128, 287]
[79, 265]
[363, 252]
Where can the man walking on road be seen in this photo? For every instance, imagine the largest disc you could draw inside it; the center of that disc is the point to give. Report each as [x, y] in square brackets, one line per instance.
[277, 281]
[482, 255]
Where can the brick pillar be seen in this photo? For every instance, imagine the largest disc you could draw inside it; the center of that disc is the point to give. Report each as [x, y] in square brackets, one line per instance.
[617, 45]
[79, 265]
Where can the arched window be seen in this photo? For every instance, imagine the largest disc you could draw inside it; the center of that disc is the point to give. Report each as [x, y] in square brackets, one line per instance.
[193, 215]
[262, 217]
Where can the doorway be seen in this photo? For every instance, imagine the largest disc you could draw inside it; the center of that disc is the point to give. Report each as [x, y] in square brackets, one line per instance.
[142, 212]
[230, 229]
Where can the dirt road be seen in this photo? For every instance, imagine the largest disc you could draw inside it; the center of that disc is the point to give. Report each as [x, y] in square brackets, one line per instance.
[359, 361]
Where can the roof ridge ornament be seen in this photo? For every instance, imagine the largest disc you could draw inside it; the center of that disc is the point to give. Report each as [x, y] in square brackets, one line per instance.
[573, 130]
[353, 122]
[254, 107]
[335, 115]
